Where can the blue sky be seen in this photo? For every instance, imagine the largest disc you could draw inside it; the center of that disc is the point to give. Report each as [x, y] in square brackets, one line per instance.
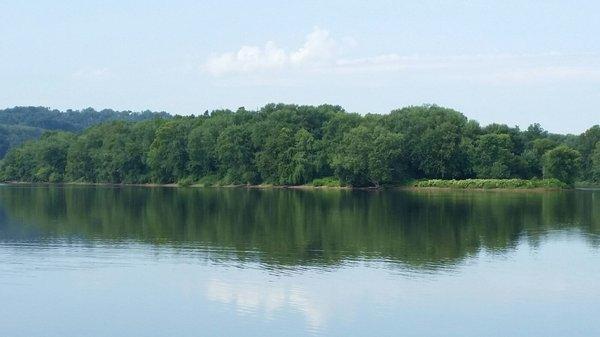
[514, 62]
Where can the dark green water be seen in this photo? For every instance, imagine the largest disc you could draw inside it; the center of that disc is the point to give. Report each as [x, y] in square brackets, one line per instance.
[102, 261]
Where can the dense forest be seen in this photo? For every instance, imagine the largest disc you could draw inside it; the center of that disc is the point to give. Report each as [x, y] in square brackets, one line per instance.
[294, 145]
[20, 124]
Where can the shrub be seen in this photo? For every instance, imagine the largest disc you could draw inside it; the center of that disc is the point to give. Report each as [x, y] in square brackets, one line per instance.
[326, 182]
[491, 183]
[562, 163]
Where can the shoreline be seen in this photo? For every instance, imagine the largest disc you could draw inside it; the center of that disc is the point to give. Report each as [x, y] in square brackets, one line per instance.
[175, 185]
[297, 187]
[500, 189]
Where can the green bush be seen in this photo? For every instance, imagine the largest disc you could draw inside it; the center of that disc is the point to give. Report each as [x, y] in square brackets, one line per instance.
[326, 182]
[491, 183]
[562, 163]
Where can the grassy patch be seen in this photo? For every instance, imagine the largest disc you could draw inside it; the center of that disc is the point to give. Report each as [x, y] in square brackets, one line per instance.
[326, 182]
[491, 183]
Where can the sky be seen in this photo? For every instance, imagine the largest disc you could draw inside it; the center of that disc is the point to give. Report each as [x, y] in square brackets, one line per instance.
[513, 62]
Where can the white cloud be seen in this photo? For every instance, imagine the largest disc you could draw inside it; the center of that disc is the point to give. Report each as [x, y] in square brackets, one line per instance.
[321, 53]
[248, 59]
[318, 49]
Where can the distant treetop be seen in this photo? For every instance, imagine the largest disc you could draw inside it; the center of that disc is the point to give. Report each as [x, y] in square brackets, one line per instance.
[23, 123]
[70, 120]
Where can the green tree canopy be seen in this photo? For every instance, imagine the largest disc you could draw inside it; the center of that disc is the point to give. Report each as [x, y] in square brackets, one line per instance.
[562, 163]
[288, 144]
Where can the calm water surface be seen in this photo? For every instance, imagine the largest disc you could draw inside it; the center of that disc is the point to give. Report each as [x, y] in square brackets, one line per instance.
[101, 261]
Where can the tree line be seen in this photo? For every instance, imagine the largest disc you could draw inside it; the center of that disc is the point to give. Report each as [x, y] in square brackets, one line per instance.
[293, 145]
[20, 124]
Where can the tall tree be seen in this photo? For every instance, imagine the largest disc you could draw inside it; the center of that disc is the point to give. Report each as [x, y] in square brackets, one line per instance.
[562, 163]
[168, 155]
[493, 157]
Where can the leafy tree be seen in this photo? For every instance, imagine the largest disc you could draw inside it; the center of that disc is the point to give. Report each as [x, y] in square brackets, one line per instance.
[51, 156]
[12, 136]
[532, 156]
[493, 157]
[235, 154]
[352, 162]
[369, 157]
[595, 159]
[562, 163]
[385, 157]
[535, 131]
[586, 144]
[434, 140]
[201, 149]
[168, 157]
[43, 160]
[19, 164]
[274, 162]
[308, 159]
[80, 165]
[20, 124]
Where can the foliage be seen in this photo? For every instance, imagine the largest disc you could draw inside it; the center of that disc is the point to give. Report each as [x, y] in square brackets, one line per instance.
[236, 156]
[13, 135]
[532, 156]
[562, 163]
[167, 158]
[289, 145]
[435, 138]
[20, 124]
[326, 182]
[491, 183]
[42, 161]
[70, 120]
[369, 157]
[493, 156]
[595, 164]
[586, 144]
